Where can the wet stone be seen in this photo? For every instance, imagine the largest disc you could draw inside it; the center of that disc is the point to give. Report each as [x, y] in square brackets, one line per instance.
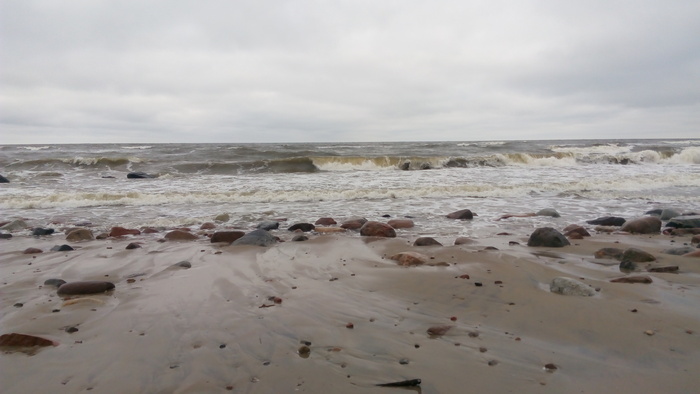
[85, 287]
[62, 248]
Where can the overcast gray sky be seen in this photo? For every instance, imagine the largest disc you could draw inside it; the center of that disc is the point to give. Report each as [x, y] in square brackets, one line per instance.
[288, 71]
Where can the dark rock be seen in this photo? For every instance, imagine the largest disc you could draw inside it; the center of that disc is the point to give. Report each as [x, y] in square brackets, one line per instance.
[679, 251]
[633, 279]
[32, 251]
[645, 225]
[401, 223]
[268, 225]
[354, 224]
[179, 235]
[464, 214]
[80, 234]
[609, 253]
[666, 268]
[54, 282]
[685, 221]
[4, 180]
[226, 236]
[377, 229]
[121, 231]
[5, 236]
[42, 231]
[426, 241]
[133, 245]
[256, 237]
[548, 212]
[607, 221]
[637, 256]
[62, 248]
[628, 266]
[183, 264]
[547, 236]
[305, 227]
[325, 222]
[24, 340]
[568, 286]
[139, 175]
[85, 287]
[300, 238]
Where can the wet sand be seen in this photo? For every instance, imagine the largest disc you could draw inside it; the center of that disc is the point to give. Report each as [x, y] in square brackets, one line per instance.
[277, 320]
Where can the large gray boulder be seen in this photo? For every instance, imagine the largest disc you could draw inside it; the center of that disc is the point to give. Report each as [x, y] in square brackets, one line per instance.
[645, 225]
[568, 286]
[547, 236]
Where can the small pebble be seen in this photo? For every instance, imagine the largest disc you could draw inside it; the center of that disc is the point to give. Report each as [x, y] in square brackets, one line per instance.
[550, 367]
[18, 305]
[350, 325]
[403, 361]
[483, 349]
[649, 332]
[71, 330]
[492, 363]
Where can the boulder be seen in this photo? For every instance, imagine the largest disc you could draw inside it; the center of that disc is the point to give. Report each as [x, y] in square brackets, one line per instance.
[23, 340]
[377, 229]
[15, 225]
[401, 223]
[80, 234]
[689, 221]
[268, 225]
[464, 214]
[637, 256]
[426, 241]
[609, 253]
[574, 229]
[39, 231]
[139, 175]
[85, 287]
[4, 180]
[568, 286]
[645, 225]
[607, 221]
[547, 236]
[257, 238]
[305, 227]
[354, 224]
[410, 258]
[695, 239]
[179, 235]
[548, 212]
[226, 236]
[325, 222]
[5, 236]
[121, 231]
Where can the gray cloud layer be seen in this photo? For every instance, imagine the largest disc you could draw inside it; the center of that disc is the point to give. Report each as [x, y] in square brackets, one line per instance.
[271, 71]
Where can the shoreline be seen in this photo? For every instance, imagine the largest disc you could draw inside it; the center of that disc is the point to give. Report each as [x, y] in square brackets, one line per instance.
[217, 326]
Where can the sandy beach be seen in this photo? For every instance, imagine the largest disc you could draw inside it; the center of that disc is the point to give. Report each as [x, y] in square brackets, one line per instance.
[334, 314]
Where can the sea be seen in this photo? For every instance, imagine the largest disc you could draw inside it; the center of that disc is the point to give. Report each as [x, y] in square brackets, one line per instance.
[87, 184]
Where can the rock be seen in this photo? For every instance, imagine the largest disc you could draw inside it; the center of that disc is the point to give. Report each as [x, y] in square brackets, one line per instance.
[85, 287]
[645, 225]
[637, 256]
[377, 229]
[695, 239]
[632, 279]
[438, 331]
[256, 237]
[669, 213]
[54, 282]
[627, 266]
[464, 241]
[607, 221]
[685, 221]
[121, 231]
[548, 212]
[149, 230]
[354, 224]
[62, 248]
[325, 222]
[568, 286]
[679, 251]
[609, 253]
[81, 234]
[182, 264]
[305, 227]
[32, 251]
[4, 180]
[682, 231]
[179, 235]
[42, 231]
[575, 229]
[547, 236]
[224, 217]
[268, 225]
[5, 236]
[226, 236]
[139, 175]
[401, 223]
[207, 226]
[692, 254]
[666, 268]
[410, 258]
[133, 245]
[300, 238]
[426, 241]
[24, 340]
[15, 225]
[464, 214]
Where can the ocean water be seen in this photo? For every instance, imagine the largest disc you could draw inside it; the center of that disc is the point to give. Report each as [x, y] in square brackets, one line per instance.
[68, 184]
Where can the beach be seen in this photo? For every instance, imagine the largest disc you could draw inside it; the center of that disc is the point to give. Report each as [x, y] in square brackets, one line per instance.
[336, 314]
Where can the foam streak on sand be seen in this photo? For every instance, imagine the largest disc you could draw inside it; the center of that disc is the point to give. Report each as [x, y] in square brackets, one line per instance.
[335, 314]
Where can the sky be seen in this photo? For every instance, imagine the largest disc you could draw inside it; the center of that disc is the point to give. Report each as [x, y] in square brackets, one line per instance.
[91, 71]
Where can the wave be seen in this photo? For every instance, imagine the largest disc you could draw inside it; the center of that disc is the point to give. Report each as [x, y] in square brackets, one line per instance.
[74, 161]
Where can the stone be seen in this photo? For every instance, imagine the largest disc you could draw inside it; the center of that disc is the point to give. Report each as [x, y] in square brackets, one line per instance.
[410, 258]
[548, 237]
[637, 256]
[685, 221]
[182, 264]
[548, 212]
[80, 234]
[257, 238]
[4, 180]
[54, 282]
[692, 254]
[464, 241]
[325, 222]
[224, 217]
[226, 236]
[464, 214]
[139, 175]
[268, 225]
[426, 241]
[39, 231]
[438, 331]
[666, 268]
[377, 229]
[32, 251]
[680, 251]
[607, 221]
[15, 225]
[62, 248]
[669, 213]
[682, 231]
[121, 231]
[574, 229]
[207, 226]
[401, 223]
[695, 239]
[24, 340]
[133, 245]
[645, 225]
[609, 253]
[85, 287]
[179, 235]
[305, 227]
[568, 286]
[632, 279]
[353, 224]
[627, 266]
[5, 236]
[300, 238]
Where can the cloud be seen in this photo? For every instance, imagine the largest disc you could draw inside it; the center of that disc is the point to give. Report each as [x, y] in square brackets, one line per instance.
[219, 71]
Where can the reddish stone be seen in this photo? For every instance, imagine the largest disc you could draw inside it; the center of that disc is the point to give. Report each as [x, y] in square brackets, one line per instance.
[575, 231]
[353, 224]
[121, 231]
[133, 245]
[24, 340]
[325, 222]
[645, 225]
[179, 235]
[695, 239]
[410, 258]
[32, 251]
[226, 236]
[207, 226]
[401, 223]
[692, 254]
[377, 229]
[438, 331]
[426, 241]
